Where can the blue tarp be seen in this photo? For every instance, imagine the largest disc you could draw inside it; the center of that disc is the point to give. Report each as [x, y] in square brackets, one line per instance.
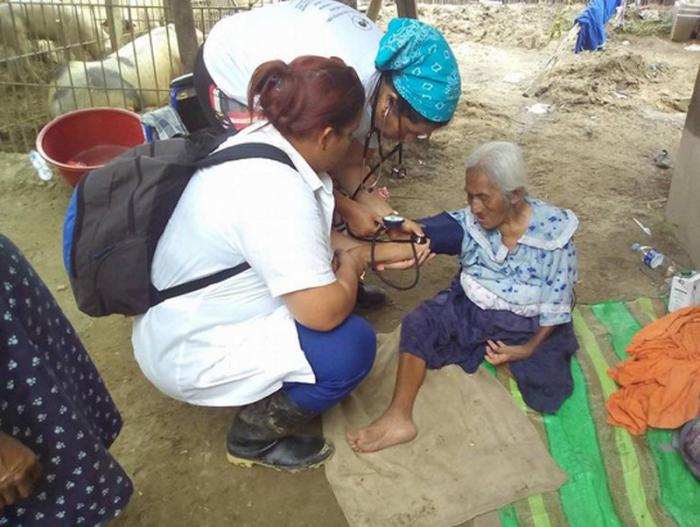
[591, 33]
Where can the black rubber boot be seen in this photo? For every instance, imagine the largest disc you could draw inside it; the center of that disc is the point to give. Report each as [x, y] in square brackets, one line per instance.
[370, 296]
[262, 434]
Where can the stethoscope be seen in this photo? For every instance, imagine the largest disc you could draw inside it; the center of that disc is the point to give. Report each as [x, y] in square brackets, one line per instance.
[398, 171]
[392, 221]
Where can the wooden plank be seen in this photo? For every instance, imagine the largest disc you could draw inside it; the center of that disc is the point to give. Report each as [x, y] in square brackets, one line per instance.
[565, 46]
[373, 10]
[183, 17]
[406, 8]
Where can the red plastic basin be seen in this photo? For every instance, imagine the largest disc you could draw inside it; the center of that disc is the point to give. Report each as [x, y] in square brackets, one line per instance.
[82, 140]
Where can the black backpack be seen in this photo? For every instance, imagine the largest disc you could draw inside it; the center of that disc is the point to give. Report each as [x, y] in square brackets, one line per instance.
[118, 213]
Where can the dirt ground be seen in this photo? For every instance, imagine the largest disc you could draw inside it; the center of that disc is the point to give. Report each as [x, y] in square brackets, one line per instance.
[611, 113]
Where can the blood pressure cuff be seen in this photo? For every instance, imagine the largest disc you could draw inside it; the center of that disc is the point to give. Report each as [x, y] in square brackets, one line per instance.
[445, 233]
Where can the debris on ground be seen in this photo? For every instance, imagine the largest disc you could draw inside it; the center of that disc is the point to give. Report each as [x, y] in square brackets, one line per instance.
[663, 159]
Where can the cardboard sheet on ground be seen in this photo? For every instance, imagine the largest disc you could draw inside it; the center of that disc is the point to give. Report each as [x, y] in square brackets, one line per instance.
[475, 451]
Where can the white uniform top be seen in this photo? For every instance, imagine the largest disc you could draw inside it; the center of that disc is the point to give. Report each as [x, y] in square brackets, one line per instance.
[235, 342]
[238, 44]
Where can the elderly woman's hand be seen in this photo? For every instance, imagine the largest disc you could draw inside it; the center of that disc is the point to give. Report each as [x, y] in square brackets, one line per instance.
[498, 352]
[404, 257]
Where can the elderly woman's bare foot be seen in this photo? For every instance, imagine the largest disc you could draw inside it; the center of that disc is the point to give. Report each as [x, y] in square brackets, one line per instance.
[388, 430]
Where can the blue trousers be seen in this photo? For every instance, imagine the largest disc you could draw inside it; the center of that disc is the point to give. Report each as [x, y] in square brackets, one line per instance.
[340, 360]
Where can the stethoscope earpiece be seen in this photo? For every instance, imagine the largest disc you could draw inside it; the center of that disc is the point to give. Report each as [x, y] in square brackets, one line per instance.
[398, 171]
[388, 109]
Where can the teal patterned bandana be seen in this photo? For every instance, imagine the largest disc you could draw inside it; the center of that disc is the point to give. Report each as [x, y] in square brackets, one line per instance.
[424, 70]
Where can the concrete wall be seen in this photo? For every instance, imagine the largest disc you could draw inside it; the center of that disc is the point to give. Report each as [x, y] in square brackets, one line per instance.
[686, 20]
[683, 206]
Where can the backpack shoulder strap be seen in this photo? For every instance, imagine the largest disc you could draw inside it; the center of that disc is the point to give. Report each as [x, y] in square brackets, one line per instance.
[195, 285]
[246, 151]
[233, 153]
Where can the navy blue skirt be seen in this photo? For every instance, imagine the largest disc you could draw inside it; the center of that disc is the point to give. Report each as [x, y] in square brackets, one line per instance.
[451, 329]
[53, 401]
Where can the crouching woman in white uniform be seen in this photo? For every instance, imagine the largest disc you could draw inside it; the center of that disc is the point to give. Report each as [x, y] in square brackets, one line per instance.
[278, 339]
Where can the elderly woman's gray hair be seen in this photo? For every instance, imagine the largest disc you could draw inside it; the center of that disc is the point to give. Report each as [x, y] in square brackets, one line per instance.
[503, 162]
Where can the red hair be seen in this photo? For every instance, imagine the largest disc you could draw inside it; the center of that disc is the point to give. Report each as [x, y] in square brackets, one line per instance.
[307, 95]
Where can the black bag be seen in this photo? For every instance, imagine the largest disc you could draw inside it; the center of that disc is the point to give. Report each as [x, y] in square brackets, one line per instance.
[119, 211]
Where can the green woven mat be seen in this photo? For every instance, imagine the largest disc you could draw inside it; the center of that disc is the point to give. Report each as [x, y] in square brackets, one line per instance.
[615, 479]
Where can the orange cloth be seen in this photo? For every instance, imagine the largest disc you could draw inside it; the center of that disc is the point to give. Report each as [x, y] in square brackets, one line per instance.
[660, 382]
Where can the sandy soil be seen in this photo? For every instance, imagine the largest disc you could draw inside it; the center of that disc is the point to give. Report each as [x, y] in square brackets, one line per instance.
[610, 114]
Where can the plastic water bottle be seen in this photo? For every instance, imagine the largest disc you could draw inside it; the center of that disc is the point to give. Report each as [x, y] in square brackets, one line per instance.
[42, 168]
[654, 259]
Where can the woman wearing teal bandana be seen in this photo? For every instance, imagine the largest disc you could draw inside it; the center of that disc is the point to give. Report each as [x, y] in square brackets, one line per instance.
[417, 92]
[410, 76]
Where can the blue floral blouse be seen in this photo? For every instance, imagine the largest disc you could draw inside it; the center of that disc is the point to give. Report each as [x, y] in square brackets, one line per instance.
[535, 278]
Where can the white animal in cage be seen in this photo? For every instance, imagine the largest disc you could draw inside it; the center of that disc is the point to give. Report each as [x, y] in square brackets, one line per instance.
[73, 26]
[136, 76]
[141, 15]
[131, 17]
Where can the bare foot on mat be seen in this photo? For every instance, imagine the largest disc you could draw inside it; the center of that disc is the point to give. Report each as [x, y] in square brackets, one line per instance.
[388, 430]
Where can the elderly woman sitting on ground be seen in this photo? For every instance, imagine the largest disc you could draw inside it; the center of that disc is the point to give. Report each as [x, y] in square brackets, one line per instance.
[510, 304]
